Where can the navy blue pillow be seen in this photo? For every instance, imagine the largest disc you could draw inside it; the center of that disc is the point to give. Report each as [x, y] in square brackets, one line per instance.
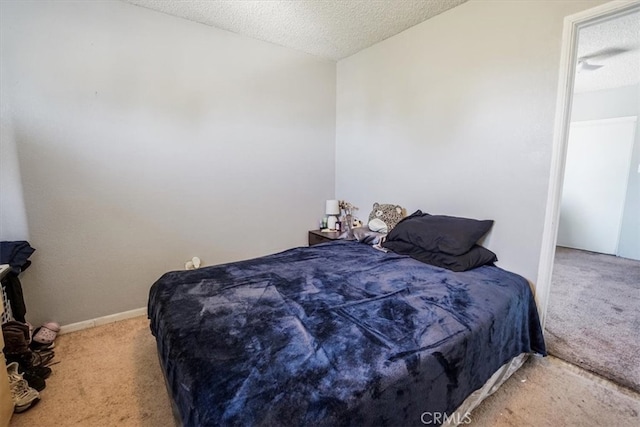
[440, 233]
[477, 256]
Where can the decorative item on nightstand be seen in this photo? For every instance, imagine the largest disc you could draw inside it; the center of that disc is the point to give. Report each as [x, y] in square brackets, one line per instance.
[332, 209]
[349, 210]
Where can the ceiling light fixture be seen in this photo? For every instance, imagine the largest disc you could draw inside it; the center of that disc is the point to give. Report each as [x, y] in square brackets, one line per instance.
[583, 65]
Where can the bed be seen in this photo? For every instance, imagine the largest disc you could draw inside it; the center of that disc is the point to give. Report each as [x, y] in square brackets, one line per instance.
[338, 334]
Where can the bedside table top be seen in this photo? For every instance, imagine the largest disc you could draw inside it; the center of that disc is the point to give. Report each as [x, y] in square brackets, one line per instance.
[333, 235]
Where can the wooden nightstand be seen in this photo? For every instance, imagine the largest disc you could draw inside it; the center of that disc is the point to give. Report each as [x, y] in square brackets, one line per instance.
[317, 236]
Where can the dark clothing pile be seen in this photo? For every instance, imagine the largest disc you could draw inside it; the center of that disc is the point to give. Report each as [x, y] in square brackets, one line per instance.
[16, 254]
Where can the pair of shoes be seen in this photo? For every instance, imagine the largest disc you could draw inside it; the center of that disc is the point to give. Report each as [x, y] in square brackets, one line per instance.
[36, 346]
[25, 328]
[32, 365]
[34, 379]
[14, 340]
[46, 333]
[42, 359]
[33, 375]
[24, 397]
[36, 371]
[39, 371]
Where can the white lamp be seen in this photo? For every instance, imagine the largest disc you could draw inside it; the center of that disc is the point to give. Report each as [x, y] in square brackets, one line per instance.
[332, 209]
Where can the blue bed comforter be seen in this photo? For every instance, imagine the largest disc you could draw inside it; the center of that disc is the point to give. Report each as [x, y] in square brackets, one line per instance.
[335, 334]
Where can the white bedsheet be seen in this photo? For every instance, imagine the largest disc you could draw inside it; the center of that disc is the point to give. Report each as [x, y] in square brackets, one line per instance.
[463, 414]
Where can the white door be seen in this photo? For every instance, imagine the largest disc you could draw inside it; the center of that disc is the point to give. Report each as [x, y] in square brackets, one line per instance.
[595, 183]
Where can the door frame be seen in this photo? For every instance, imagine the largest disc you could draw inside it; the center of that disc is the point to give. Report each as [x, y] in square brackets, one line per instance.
[564, 101]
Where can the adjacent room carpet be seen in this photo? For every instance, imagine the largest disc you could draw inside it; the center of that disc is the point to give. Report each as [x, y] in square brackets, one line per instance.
[593, 319]
[110, 376]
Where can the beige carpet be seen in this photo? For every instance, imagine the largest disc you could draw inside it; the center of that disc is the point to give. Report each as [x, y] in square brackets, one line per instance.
[107, 376]
[593, 319]
[110, 376]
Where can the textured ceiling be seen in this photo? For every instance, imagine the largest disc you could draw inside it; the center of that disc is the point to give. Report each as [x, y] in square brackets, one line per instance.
[622, 69]
[327, 28]
[335, 29]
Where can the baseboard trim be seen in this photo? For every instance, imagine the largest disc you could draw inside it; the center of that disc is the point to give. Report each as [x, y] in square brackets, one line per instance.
[92, 323]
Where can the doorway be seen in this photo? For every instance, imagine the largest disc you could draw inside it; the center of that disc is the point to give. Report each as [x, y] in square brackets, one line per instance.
[590, 297]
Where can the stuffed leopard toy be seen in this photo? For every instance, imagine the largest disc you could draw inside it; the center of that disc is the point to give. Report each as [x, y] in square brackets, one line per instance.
[387, 213]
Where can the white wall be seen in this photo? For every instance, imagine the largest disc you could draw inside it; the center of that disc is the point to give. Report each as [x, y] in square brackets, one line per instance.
[455, 116]
[607, 104]
[595, 184]
[144, 139]
[13, 218]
